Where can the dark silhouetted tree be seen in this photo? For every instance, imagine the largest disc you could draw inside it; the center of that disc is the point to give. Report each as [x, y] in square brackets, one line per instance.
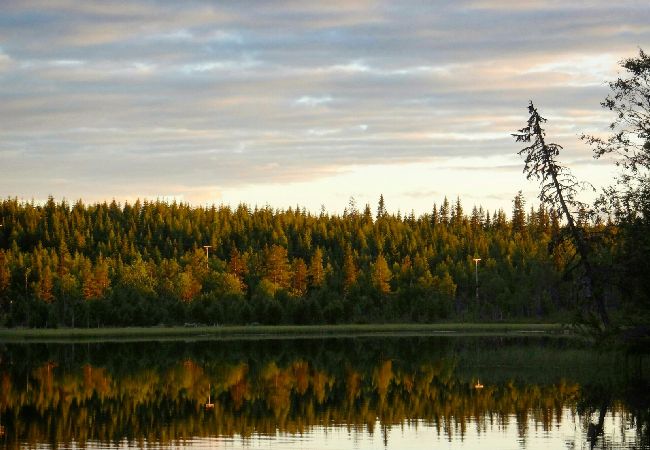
[558, 190]
[381, 207]
[518, 213]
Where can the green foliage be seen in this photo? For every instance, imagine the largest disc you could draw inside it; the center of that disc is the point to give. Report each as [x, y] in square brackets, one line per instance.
[144, 264]
[629, 199]
[629, 140]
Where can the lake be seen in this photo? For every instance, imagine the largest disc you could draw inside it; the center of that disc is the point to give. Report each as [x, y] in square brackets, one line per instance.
[519, 392]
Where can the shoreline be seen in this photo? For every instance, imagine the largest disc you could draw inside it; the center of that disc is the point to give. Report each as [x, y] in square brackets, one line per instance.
[241, 332]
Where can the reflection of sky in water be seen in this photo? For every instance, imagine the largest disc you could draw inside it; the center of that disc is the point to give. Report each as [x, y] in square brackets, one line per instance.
[569, 433]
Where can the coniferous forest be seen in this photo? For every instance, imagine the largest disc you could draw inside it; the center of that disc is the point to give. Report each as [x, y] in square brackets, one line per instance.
[145, 264]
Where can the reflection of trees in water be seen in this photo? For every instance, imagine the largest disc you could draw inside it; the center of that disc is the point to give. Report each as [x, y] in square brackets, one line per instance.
[158, 392]
[596, 401]
[167, 405]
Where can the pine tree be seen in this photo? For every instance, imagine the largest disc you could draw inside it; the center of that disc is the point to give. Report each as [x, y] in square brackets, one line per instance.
[5, 274]
[381, 275]
[352, 207]
[299, 279]
[444, 212]
[277, 266]
[381, 207]
[189, 287]
[476, 219]
[518, 213]
[558, 189]
[457, 214]
[349, 271]
[367, 215]
[237, 267]
[316, 271]
[45, 286]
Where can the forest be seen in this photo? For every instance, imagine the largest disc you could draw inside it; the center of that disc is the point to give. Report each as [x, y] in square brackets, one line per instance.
[107, 264]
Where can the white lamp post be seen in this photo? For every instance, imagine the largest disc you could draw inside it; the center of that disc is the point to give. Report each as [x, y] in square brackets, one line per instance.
[207, 255]
[476, 260]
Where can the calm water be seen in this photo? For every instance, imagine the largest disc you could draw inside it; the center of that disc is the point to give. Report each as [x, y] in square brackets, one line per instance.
[362, 393]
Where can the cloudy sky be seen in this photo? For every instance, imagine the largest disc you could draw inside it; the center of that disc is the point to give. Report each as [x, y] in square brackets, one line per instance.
[298, 102]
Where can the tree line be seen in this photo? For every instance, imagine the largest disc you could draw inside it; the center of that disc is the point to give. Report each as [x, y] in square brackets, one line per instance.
[104, 264]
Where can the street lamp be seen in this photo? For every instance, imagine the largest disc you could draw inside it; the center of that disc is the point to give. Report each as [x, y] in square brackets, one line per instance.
[476, 260]
[207, 254]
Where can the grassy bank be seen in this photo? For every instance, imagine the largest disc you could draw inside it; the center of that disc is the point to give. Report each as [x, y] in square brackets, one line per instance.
[270, 332]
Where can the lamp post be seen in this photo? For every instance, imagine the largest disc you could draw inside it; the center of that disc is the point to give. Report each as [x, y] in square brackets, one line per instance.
[207, 255]
[476, 260]
[478, 306]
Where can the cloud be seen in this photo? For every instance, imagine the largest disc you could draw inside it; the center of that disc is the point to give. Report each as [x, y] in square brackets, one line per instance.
[228, 65]
[426, 193]
[163, 97]
[307, 100]
[5, 60]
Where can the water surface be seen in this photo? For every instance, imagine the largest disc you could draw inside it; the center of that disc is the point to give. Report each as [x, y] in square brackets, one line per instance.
[356, 393]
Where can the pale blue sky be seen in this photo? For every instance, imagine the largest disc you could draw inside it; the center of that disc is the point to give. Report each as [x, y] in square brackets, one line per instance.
[293, 102]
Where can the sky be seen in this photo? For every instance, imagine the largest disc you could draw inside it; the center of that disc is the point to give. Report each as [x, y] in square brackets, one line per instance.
[287, 103]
